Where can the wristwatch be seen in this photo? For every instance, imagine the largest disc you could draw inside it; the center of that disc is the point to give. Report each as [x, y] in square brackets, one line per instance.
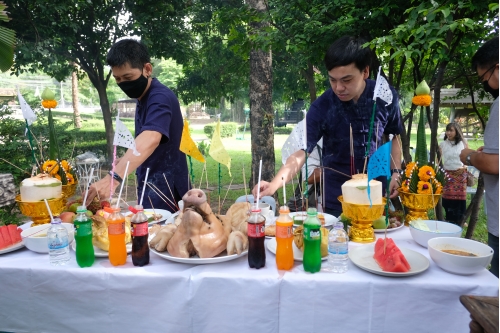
[396, 171]
[467, 159]
[116, 177]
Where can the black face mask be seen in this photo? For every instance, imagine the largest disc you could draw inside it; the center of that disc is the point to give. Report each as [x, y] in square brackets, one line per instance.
[488, 89]
[135, 88]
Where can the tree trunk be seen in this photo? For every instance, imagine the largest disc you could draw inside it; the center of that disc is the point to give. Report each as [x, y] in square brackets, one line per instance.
[474, 207]
[108, 123]
[309, 76]
[261, 107]
[74, 95]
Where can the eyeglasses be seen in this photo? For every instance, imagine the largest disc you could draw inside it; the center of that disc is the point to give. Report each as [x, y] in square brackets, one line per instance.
[481, 78]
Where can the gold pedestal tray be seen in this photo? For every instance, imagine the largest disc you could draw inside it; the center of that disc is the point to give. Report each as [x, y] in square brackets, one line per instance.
[38, 211]
[362, 217]
[68, 191]
[418, 205]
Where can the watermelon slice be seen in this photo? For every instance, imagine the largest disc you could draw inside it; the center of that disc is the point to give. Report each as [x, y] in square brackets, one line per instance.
[3, 244]
[393, 260]
[6, 237]
[15, 233]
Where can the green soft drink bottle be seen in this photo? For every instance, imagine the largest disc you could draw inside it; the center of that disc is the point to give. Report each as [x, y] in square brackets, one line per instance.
[83, 238]
[312, 242]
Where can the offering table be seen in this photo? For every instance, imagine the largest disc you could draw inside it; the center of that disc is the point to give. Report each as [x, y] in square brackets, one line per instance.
[226, 297]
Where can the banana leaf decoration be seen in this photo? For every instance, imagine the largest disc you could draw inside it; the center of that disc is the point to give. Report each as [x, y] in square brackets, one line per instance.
[7, 41]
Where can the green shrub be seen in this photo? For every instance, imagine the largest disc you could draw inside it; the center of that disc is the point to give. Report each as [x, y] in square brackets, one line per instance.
[204, 148]
[283, 130]
[226, 129]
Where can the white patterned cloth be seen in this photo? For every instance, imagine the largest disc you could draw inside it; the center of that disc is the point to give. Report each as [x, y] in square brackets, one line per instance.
[123, 137]
[382, 89]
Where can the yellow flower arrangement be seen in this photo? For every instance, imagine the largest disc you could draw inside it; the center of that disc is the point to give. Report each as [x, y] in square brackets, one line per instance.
[424, 187]
[409, 169]
[65, 165]
[51, 167]
[422, 100]
[425, 173]
[70, 178]
[49, 104]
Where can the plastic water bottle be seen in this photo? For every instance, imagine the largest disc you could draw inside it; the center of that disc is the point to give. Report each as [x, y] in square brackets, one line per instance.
[338, 249]
[57, 239]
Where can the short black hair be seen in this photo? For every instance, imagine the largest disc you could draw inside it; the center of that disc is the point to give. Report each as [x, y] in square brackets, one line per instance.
[128, 50]
[347, 50]
[486, 56]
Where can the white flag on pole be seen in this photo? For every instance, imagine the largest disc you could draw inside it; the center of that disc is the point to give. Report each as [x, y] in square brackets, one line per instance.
[28, 113]
[123, 137]
[382, 89]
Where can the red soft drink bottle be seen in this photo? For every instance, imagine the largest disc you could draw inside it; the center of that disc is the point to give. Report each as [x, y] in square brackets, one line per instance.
[256, 237]
[140, 246]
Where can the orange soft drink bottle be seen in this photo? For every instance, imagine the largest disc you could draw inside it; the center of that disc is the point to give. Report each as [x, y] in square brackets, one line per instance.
[116, 236]
[284, 239]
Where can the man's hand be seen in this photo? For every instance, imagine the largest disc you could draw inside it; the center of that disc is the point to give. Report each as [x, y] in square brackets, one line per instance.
[465, 152]
[265, 189]
[101, 189]
[394, 185]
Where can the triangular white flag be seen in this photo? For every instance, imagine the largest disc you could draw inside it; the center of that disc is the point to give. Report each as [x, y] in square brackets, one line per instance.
[28, 113]
[382, 89]
[123, 137]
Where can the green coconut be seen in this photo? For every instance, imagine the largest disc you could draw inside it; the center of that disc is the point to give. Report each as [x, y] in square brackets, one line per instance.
[48, 95]
[423, 89]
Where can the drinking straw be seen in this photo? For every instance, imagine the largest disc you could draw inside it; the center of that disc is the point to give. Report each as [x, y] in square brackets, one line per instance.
[258, 187]
[245, 183]
[121, 187]
[88, 184]
[48, 208]
[284, 191]
[144, 187]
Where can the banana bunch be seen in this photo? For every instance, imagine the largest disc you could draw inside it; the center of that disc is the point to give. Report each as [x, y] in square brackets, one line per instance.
[298, 239]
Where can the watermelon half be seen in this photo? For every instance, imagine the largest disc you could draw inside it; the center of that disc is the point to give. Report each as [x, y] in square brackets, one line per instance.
[393, 260]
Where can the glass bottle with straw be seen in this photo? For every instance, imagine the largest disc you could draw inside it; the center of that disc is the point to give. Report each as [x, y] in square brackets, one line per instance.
[83, 233]
[57, 241]
[256, 233]
[116, 231]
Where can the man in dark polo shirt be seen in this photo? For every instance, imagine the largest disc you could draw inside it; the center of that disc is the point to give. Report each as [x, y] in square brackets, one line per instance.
[158, 129]
[349, 103]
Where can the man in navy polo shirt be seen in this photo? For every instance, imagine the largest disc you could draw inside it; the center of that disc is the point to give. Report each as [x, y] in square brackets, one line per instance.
[349, 103]
[158, 130]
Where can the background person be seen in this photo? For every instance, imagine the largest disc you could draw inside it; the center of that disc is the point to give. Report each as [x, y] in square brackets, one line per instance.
[349, 102]
[158, 129]
[485, 158]
[454, 196]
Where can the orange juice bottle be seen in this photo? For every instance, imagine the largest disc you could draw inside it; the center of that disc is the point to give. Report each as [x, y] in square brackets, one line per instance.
[116, 235]
[284, 239]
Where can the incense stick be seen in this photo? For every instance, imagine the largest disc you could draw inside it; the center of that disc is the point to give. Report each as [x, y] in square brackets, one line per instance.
[171, 193]
[151, 202]
[160, 196]
[227, 191]
[15, 166]
[202, 171]
[164, 195]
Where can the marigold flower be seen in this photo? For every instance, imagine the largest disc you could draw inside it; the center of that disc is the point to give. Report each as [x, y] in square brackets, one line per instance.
[57, 176]
[409, 168]
[51, 167]
[425, 173]
[424, 188]
[65, 165]
[422, 100]
[70, 179]
[49, 104]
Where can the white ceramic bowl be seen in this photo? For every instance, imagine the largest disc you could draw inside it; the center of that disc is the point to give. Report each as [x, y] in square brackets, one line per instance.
[39, 244]
[457, 264]
[445, 229]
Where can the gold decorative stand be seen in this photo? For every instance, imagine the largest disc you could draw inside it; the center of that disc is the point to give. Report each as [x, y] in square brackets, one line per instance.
[38, 211]
[362, 217]
[68, 191]
[418, 205]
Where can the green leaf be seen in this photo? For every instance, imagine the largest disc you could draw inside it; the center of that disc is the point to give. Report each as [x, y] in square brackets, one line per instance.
[421, 151]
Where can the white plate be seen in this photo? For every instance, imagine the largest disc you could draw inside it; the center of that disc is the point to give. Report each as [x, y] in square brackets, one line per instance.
[297, 253]
[363, 258]
[16, 246]
[99, 253]
[165, 214]
[391, 229]
[13, 247]
[329, 219]
[200, 261]
[171, 218]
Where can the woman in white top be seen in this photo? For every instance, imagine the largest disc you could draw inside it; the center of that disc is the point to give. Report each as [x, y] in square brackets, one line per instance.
[454, 192]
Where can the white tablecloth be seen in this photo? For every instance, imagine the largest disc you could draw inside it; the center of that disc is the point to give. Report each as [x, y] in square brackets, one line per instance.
[227, 297]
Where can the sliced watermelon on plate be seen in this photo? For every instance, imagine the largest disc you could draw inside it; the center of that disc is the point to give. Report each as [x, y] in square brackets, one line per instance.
[392, 260]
